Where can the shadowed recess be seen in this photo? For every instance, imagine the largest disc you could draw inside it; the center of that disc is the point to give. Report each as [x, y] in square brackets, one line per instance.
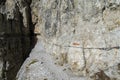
[16, 42]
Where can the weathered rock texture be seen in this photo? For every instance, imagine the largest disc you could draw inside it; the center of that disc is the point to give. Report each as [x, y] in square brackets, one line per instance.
[79, 39]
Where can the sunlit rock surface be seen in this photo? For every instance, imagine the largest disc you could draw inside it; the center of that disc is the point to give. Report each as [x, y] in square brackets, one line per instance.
[77, 39]
[80, 41]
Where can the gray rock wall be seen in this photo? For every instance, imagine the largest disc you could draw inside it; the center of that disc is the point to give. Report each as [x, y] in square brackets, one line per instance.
[79, 39]
[81, 36]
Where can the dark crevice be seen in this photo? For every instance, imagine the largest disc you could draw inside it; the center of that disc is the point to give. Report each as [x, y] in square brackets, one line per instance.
[101, 76]
[2, 2]
[30, 25]
[17, 41]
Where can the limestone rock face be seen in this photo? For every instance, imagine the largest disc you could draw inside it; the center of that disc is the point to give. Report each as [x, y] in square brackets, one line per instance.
[79, 39]
[80, 36]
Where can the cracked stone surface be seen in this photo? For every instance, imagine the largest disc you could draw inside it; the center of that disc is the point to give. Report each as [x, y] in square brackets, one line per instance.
[80, 39]
[77, 39]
